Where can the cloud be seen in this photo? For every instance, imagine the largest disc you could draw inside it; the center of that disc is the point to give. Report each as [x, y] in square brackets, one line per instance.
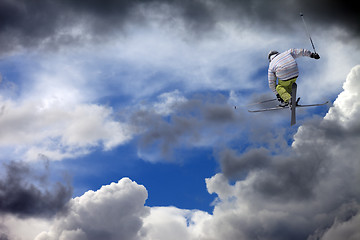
[14, 227]
[65, 92]
[26, 194]
[310, 192]
[53, 24]
[56, 116]
[34, 128]
[234, 166]
[67, 114]
[173, 223]
[115, 211]
[67, 22]
[168, 102]
[343, 230]
[276, 13]
[176, 121]
[55, 113]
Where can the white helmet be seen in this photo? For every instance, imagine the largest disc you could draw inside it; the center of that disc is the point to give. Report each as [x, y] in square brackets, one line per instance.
[272, 52]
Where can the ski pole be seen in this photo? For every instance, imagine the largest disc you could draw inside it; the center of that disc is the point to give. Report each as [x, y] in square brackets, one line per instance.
[307, 31]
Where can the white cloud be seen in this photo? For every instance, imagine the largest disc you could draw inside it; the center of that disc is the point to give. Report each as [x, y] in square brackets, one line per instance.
[346, 107]
[231, 57]
[168, 101]
[22, 228]
[323, 78]
[56, 131]
[172, 223]
[115, 211]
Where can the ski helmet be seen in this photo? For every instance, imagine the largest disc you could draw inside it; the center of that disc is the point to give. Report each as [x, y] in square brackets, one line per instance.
[272, 52]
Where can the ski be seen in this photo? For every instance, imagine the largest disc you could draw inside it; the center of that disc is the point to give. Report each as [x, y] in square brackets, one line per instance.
[293, 105]
[269, 109]
[261, 102]
[265, 101]
[313, 105]
[286, 107]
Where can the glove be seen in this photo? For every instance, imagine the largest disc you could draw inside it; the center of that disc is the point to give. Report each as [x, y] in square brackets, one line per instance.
[315, 55]
[279, 98]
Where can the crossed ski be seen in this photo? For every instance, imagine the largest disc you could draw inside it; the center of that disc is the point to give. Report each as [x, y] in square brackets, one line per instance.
[293, 105]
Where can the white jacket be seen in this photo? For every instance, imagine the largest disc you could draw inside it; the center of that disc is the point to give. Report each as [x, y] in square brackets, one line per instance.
[284, 67]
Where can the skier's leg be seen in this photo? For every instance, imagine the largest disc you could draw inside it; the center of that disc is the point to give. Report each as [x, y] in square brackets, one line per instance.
[284, 89]
[283, 92]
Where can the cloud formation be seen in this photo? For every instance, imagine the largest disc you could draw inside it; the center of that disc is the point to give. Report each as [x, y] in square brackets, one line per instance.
[37, 129]
[175, 121]
[50, 24]
[115, 211]
[193, 46]
[309, 193]
[26, 194]
[54, 106]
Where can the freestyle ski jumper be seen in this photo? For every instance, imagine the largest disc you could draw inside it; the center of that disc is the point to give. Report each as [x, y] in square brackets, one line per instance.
[282, 75]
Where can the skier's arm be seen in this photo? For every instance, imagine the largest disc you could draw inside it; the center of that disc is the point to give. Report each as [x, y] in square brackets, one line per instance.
[272, 81]
[299, 52]
[303, 53]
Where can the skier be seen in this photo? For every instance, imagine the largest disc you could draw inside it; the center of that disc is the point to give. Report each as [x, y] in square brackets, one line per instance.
[283, 67]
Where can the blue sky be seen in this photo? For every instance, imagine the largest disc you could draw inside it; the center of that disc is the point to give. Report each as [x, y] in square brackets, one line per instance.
[124, 112]
[160, 178]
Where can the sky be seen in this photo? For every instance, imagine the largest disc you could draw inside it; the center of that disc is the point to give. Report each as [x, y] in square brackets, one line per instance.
[117, 121]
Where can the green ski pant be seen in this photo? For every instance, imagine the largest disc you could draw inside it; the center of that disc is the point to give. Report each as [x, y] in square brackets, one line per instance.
[284, 89]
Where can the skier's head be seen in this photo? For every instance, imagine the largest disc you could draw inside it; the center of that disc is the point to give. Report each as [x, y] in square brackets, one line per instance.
[272, 54]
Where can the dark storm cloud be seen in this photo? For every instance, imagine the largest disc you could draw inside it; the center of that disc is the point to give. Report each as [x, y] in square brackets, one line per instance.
[344, 14]
[3, 236]
[311, 178]
[282, 178]
[234, 166]
[307, 177]
[191, 122]
[27, 23]
[219, 113]
[321, 13]
[27, 194]
[162, 134]
[295, 173]
[200, 14]
[32, 23]
[315, 182]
